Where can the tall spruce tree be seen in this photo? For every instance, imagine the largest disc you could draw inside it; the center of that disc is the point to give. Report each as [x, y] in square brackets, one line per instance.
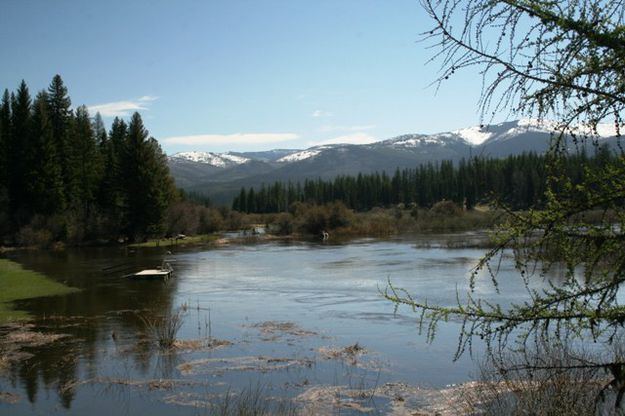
[84, 161]
[99, 131]
[47, 181]
[20, 160]
[5, 131]
[111, 197]
[60, 117]
[148, 187]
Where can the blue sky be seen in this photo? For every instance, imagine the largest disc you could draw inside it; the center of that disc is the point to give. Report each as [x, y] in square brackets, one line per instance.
[240, 75]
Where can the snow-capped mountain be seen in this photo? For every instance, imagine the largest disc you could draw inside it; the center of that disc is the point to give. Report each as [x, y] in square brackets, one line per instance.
[220, 175]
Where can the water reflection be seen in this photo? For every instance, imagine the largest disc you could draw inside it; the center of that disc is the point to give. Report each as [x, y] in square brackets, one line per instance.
[106, 309]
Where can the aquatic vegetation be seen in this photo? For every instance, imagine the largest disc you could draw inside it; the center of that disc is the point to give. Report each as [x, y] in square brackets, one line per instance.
[348, 354]
[261, 364]
[164, 328]
[17, 339]
[253, 401]
[200, 344]
[9, 398]
[273, 330]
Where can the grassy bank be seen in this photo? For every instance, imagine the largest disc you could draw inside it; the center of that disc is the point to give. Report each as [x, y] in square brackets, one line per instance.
[17, 283]
[171, 242]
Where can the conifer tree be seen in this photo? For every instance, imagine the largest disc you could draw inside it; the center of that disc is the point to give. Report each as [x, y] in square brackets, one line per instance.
[5, 128]
[111, 198]
[47, 181]
[100, 131]
[84, 168]
[148, 187]
[20, 160]
[60, 117]
[5, 131]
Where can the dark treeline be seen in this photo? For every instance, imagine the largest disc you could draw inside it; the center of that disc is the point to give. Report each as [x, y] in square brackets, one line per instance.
[518, 181]
[63, 177]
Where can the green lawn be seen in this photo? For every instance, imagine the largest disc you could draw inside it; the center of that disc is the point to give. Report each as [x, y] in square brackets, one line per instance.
[17, 283]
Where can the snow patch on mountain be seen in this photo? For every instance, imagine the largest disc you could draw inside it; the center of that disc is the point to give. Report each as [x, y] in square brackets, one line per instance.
[414, 140]
[220, 160]
[603, 130]
[296, 157]
[475, 135]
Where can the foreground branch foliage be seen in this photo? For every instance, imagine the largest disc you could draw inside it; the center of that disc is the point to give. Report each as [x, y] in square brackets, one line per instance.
[560, 61]
[537, 57]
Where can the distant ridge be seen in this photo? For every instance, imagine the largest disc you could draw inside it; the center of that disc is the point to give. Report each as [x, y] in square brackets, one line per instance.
[221, 175]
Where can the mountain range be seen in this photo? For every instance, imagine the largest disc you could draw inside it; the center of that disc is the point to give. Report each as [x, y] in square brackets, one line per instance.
[221, 175]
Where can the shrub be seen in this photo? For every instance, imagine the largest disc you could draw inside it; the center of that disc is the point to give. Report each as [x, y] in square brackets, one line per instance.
[283, 224]
[210, 221]
[338, 215]
[233, 220]
[315, 220]
[28, 237]
[447, 208]
[183, 218]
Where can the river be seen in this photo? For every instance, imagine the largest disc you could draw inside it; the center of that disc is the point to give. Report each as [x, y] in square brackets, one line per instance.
[277, 316]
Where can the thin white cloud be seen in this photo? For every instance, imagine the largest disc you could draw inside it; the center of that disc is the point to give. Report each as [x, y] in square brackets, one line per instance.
[237, 138]
[122, 108]
[321, 113]
[356, 138]
[330, 128]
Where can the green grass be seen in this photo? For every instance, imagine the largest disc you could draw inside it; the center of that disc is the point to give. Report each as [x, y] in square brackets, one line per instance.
[17, 283]
[170, 242]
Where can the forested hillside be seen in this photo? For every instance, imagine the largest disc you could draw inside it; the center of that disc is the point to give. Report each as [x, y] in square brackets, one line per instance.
[63, 177]
[517, 181]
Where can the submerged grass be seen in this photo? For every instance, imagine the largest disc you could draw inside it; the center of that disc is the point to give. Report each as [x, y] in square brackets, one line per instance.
[18, 283]
[253, 401]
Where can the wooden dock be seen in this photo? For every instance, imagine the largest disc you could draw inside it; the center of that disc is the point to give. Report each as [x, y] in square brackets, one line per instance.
[163, 272]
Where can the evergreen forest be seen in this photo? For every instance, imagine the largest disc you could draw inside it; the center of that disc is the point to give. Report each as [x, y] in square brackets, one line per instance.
[64, 177]
[518, 182]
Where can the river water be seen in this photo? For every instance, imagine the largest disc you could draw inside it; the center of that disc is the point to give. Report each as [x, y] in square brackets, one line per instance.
[286, 309]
